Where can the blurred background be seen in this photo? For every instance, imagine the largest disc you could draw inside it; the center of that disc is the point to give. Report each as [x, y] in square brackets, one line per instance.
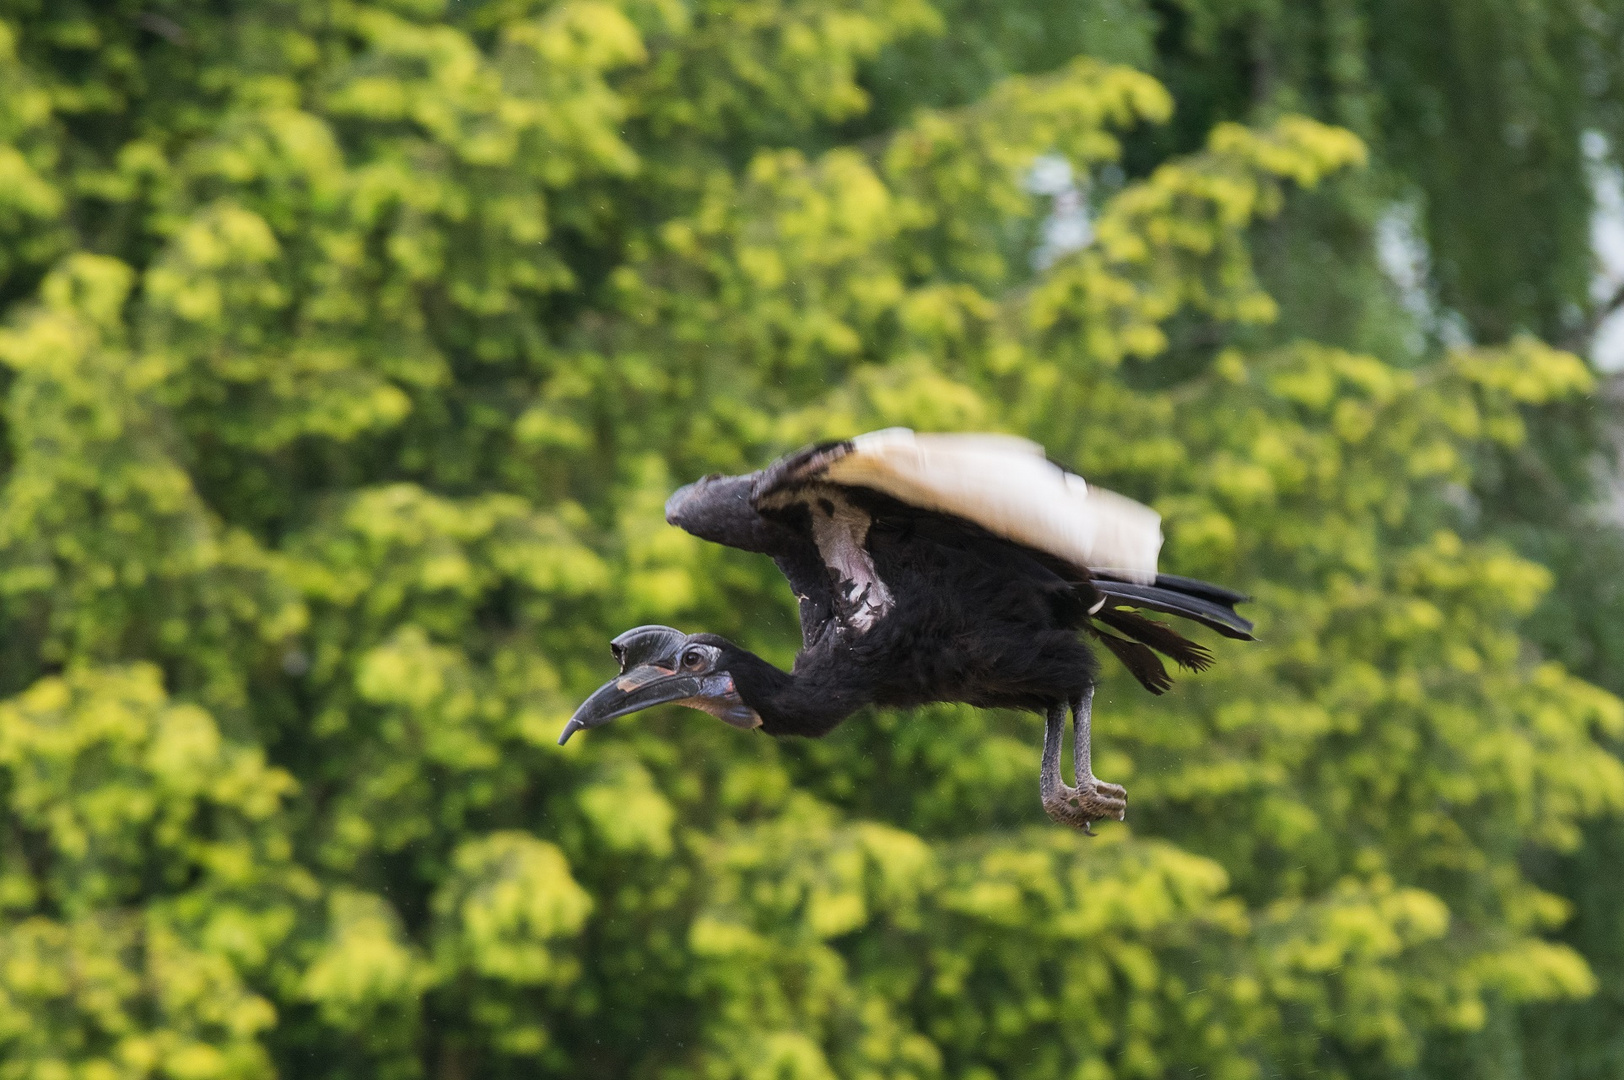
[349, 349]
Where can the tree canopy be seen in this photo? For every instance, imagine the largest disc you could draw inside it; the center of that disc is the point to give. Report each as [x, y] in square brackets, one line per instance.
[350, 348]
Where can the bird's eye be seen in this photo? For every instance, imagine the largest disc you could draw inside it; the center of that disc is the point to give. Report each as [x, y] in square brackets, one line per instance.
[693, 659]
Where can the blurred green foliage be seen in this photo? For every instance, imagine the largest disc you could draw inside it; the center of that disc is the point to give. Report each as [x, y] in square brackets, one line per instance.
[350, 350]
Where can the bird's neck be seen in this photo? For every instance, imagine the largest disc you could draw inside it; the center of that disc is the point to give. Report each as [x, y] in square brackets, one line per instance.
[802, 703]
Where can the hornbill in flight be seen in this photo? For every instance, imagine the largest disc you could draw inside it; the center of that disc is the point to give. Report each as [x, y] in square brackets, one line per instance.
[929, 568]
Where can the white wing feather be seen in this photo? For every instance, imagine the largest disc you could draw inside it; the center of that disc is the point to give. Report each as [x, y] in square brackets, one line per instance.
[1007, 486]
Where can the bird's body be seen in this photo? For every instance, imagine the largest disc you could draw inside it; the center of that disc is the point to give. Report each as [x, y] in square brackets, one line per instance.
[967, 616]
[931, 568]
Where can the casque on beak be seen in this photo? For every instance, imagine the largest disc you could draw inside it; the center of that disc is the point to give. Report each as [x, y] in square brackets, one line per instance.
[658, 666]
[650, 674]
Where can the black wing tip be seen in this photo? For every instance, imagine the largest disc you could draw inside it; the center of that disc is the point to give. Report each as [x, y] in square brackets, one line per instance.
[1186, 586]
[1214, 615]
[1207, 590]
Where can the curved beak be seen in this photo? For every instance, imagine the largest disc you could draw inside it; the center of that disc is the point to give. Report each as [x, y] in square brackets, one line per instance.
[641, 687]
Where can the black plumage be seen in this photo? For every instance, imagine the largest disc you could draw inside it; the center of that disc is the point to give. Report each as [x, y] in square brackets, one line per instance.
[904, 603]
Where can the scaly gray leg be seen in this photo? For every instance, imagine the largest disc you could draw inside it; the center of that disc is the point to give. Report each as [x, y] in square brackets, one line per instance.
[1092, 799]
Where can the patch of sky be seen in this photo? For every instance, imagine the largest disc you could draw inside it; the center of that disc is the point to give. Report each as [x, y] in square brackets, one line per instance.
[1403, 256]
[1607, 241]
[1068, 227]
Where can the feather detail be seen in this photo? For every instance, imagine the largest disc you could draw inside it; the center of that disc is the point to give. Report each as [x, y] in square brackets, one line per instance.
[1145, 665]
[1217, 616]
[1159, 636]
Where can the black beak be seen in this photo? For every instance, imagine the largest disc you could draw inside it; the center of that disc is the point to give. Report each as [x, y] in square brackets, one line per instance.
[641, 687]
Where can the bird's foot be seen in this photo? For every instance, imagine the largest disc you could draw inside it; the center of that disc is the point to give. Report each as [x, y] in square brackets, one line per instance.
[1092, 800]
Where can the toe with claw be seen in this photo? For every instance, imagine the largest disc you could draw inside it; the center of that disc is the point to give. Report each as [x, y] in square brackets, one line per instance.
[1081, 806]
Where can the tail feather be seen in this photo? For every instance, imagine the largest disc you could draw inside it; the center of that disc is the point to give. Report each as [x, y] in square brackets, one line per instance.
[1171, 596]
[1159, 636]
[1208, 604]
[1145, 665]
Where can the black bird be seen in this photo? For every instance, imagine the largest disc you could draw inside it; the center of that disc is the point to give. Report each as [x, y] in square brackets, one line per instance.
[929, 568]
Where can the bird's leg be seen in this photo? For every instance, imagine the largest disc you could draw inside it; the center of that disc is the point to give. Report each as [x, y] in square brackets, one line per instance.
[1053, 791]
[1082, 752]
[1092, 799]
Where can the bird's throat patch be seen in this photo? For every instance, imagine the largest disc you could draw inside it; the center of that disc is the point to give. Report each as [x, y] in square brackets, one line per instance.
[723, 702]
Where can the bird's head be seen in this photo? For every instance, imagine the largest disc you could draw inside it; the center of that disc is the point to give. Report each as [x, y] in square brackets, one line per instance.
[659, 666]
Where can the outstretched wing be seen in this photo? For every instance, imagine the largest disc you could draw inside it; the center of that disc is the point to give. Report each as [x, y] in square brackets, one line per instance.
[719, 509]
[809, 511]
[1000, 483]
